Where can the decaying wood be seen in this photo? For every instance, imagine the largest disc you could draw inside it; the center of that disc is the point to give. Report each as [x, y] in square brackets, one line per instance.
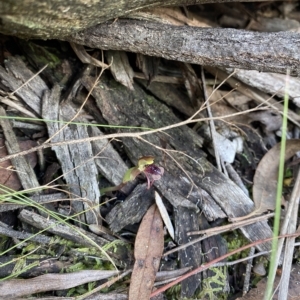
[170, 94]
[131, 210]
[14, 78]
[58, 18]
[270, 83]
[120, 256]
[122, 107]
[24, 169]
[76, 161]
[258, 96]
[41, 199]
[7, 231]
[204, 46]
[11, 289]
[186, 220]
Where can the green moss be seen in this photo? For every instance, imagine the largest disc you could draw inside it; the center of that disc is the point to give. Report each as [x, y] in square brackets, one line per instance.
[213, 286]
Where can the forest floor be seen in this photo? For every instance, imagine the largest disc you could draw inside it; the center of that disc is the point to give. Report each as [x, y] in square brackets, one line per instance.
[137, 177]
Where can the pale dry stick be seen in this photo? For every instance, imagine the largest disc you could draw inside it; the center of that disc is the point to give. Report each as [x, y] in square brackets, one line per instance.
[211, 122]
[290, 242]
[5, 230]
[267, 102]
[231, 263]
[224, 169]
[119, 135]
[217, 230]
[203, 105]
[16, 106]
[232, 90]
[104, 285]
[80, 108]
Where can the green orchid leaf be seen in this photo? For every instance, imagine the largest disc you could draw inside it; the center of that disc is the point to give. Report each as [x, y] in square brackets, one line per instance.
[131, 174]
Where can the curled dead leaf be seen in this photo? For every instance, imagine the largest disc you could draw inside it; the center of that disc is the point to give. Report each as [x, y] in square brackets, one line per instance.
[265, 178]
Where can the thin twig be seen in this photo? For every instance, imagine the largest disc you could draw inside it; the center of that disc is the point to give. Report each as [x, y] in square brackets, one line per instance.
[120, 135]
[217, 230]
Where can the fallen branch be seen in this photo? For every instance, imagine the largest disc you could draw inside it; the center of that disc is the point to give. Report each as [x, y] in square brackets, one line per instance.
[204, 46]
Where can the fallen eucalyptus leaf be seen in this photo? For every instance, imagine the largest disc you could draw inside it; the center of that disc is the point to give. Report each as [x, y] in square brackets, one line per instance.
[148, 249]
[265, 178]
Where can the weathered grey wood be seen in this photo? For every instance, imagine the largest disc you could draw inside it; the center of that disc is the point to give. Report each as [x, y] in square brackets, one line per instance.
[122, 107]
[77, 161]
[270, 83]
[7, 231]
[205, 46]
[24, 169]
[186, 220]
[131, 210]
[107, 159]
[10, 289]
[15, 75]
[41, 199]
[77, 236]
[58, 18]
[258, 96]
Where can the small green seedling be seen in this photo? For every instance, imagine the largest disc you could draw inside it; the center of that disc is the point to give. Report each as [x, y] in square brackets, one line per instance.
[147, 167]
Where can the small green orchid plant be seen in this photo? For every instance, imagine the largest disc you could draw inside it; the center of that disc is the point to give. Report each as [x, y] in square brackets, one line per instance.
[146, 166]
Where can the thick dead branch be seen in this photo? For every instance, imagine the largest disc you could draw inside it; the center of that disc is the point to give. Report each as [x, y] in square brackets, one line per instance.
[204, 46]
[58, 18]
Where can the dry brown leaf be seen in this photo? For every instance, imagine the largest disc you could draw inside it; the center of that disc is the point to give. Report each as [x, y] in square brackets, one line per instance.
[192, 84]
[148, 250]
[265, 178]
[120, 68]
[8, 176]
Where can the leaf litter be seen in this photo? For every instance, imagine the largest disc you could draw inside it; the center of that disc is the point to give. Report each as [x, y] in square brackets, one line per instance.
[157, 178]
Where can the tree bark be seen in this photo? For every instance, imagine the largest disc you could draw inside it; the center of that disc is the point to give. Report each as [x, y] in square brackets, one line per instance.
[269, 52]
[55, 19]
